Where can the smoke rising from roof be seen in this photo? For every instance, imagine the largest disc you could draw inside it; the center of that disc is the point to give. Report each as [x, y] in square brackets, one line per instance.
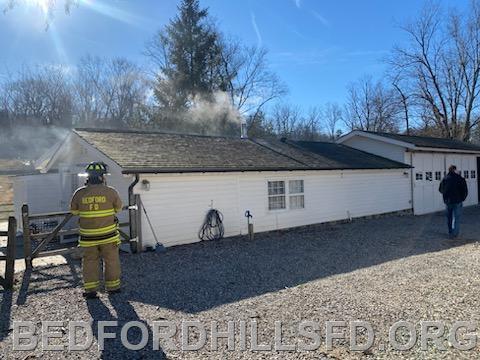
[29, 142]
[214, 116]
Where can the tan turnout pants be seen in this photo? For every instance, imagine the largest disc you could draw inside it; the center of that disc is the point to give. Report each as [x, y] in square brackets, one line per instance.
[111, 264]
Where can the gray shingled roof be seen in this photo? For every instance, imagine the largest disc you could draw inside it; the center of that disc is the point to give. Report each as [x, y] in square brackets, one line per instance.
[430, 142]
[155, 152]
[139, 151]
[344, 157]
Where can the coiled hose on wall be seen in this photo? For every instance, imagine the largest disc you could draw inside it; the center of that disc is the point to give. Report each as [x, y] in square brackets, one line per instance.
[212, 228]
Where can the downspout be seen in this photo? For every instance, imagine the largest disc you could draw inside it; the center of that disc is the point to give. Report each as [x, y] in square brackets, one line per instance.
[131, 211]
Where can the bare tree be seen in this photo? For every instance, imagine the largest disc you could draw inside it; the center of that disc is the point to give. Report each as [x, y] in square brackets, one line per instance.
[309, 126]
[371, 107]
[442, 64]
[110, 92]
[249, 82]
[39, 96]
[404, 101]
[465, 31]
[286, 118]
[88, 91]
[260, 125]
[332, 115]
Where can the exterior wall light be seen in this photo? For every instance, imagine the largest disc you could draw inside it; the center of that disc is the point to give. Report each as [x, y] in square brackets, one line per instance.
[145, 185]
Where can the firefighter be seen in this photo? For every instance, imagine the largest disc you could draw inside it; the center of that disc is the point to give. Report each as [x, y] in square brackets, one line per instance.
[96, 205]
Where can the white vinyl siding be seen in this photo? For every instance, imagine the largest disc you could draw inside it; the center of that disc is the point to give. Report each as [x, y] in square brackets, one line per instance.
[52, 191]
[40, 192]
[178, 203]
[377, 147]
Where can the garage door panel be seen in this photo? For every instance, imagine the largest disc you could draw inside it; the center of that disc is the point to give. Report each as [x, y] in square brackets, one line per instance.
[466, 163]
[426, 196]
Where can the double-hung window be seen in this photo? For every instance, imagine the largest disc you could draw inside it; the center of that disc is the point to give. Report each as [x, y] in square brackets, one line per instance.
[296, 194]
[276, 195]
[281, 191]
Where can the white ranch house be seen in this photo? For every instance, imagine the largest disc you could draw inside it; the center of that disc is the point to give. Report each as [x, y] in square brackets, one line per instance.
[282, 183]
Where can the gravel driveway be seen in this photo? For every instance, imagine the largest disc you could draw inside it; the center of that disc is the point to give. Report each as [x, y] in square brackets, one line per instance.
[377, 270]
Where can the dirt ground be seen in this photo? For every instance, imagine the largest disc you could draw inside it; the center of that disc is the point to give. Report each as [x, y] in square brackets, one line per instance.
[376, 270]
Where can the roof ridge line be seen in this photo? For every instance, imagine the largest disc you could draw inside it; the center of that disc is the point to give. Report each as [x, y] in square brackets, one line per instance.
[313, 154]
[159, 132]
[279, 153]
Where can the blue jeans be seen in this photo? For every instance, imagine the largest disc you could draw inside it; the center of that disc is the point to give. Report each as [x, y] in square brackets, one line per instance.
[454, 212]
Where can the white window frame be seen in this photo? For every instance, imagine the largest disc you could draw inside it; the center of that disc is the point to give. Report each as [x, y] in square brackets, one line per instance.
[296, 194]
[286, 194]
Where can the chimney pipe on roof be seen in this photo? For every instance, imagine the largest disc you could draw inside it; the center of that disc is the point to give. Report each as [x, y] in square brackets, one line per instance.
[243, 129]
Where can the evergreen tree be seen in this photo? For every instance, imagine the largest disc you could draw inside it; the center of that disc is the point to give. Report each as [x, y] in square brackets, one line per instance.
[191, 61]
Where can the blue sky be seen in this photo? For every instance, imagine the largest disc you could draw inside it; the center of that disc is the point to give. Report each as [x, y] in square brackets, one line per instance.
[317, 47]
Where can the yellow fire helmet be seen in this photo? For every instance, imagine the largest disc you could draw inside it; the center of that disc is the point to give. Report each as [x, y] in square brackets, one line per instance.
[95, 169]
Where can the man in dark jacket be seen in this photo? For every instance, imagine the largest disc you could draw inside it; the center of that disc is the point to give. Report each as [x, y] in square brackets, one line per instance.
[454, 190]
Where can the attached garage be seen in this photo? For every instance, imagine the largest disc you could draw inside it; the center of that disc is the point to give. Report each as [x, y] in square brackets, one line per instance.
[429, 158]
[282, 183]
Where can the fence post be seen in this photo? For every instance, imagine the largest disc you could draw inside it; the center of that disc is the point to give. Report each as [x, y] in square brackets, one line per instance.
[27, 243]
[138, 222]
[11, 244]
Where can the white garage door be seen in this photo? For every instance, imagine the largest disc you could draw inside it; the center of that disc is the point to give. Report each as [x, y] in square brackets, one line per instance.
[467, 165]
[429, 169]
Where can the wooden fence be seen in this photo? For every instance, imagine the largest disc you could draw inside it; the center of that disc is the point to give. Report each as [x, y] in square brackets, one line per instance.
[9, 257]
[44, 237]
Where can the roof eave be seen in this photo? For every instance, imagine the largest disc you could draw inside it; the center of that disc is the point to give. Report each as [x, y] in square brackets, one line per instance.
[445, 150]
[182, 171]
[200, 170]
[368, 135]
